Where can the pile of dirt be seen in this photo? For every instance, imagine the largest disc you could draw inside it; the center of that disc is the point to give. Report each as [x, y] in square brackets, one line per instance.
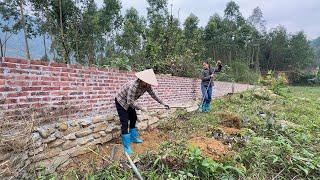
[114, 150]
[152, 140]
[210, 147]
[230, 120]
[230, 130]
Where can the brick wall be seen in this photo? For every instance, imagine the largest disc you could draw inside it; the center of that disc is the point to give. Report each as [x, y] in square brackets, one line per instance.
[60, 95]
[58, 90]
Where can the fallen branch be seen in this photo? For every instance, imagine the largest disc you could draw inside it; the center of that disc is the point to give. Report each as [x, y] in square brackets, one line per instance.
[99, 155]
[278, 174]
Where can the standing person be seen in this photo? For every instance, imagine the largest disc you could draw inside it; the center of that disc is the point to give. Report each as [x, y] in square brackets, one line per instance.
[207, 83]
[126, 106]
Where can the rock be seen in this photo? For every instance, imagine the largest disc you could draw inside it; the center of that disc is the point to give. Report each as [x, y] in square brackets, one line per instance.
[115, 134]
[85, 140]
[85, 123]
[56, 143]
[71, 136]
[162, 116]
[46, 155]
[109, 129]
[35, 144]
[97, 135]
[263, 115]
[117, 122]
[80, 151]
[116, 127]
[273, 96]
[56, 163]
[73, 124]
[62, 126]
[35, 151]
[261, 93]
[106, 138]
[110, 117]
[99, 127]
[285, 124]
[153, 113]
[45, 132]
[64, 165]
[103, 140]
[143, 125]
[4, 156]
[35, 136]
[102, 133]
[143, 117]
[116, 118]
[69, 144]
[50, 139]
[153, 120]
[153, 126]
[83, 133]
[160, 112]
[192, 109]
[98, 119]
[58, 135]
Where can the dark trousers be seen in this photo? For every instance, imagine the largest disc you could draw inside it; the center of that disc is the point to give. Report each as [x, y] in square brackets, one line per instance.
[126, 116]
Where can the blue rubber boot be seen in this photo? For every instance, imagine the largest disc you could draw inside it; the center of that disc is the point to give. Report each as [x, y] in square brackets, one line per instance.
[126, 143]
[209, 106]
[134, 135]
[206, 107]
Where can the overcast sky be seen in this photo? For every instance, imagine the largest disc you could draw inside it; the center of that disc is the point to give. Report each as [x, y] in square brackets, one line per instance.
[295, 15]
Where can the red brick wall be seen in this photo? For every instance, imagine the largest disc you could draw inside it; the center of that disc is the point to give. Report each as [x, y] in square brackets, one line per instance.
[55, 90]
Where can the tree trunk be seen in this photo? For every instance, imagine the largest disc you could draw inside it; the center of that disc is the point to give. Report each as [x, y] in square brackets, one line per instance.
[65, 58]
[45, 47]
[214, 53]
[257, 59]
[24, 30]
[251, 62]
[230, 56]
[1, 48]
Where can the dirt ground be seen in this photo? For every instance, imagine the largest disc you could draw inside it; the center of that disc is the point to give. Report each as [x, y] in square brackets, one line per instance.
[210, 147]
[114, 150]
[230, 131]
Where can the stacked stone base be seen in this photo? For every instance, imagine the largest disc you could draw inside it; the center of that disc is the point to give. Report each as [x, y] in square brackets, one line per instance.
[53, 146]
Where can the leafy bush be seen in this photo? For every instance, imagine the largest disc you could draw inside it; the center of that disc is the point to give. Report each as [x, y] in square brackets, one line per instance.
[121, 62]
[300, 78]
[237, 72]
[276, 84]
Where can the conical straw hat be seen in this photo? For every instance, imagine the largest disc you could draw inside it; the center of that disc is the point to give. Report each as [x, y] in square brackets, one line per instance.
[148, 76]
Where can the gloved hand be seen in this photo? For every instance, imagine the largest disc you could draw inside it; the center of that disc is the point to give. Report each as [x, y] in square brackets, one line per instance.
[166, 106]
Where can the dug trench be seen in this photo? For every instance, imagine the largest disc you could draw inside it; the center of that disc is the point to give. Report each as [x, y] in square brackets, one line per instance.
[214, 142]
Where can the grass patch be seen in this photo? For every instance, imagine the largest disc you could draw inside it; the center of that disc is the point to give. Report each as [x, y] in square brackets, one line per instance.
[277, 137]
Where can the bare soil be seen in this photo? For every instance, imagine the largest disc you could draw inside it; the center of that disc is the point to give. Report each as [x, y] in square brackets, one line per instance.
[210, 147]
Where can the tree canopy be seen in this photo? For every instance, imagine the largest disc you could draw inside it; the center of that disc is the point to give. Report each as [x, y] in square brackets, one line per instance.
[80, 32]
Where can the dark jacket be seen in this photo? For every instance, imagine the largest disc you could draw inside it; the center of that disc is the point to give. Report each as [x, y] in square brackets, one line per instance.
[205, 75]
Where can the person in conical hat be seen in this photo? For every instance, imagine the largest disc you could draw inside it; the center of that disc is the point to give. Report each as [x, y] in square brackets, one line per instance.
[126, 105]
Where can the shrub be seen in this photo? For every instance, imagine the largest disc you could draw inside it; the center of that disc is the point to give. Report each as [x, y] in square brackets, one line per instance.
[276, 84]
[238, 72]
[300, 78]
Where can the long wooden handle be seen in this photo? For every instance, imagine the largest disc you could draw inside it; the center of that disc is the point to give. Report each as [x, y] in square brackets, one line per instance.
[134, 167]
[172, 107]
